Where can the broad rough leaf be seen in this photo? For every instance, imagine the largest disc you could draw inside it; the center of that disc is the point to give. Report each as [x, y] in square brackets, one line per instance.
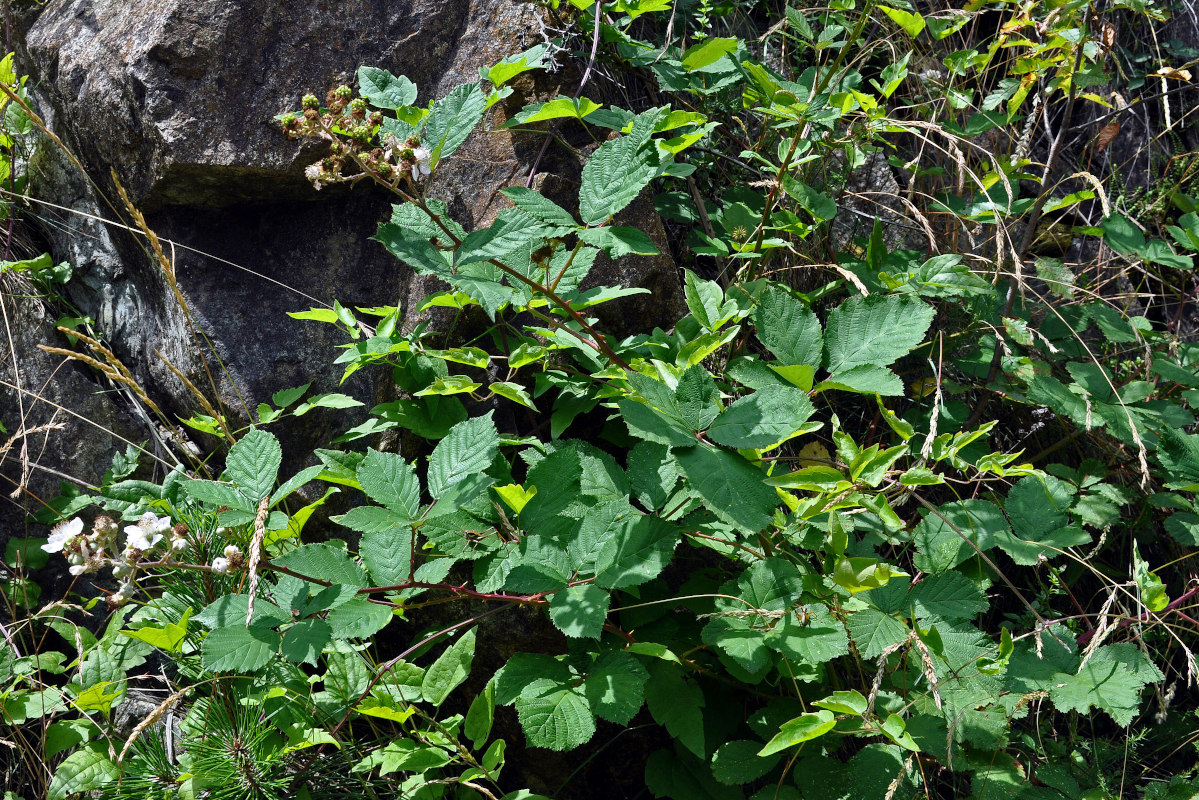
[579, 611]
[764, 418]
[539, 207]
[390, 481]
[88, 768]
[387, 555]
[874, 330]
[618, 170]
[555, 716]
[1111, 681]
[469, 449]
[358, 618]
[652, 473]
[873, 631]
[697, 398]
[452, 120]
[253, 464]
[939, 538]
[819, 639]
[384, 90]
[950, 595]
[236, 648]
[449, 670]
[615, 686]
[304, 641]
[730, 486]
[326, 562]
[677, 704]
[639, 549]
[788, 328]
[737, 762]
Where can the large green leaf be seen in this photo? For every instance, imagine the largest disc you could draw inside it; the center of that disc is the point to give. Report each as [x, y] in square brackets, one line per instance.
[236, 648]
[730, 486]
[873, 631]
[253, 464]
[737, 762]
[639, 550]
[449, 670]
[390, 481]
[469, 449]
[304, 641]
[384, 90]
[1111, 681]
[555, 716]
[90, 767]
[788, 328]
[944, 538]
[615, 686]
[618, 170]
[539, 207]
[325, 561]
[580, 610]
[874, 330]
[764, 418]
[677, 704]
[452, 119]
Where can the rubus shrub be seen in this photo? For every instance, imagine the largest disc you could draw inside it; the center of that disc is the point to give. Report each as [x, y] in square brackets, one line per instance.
[868, 521]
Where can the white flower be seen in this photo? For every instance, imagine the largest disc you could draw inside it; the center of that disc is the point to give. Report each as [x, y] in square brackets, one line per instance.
[62, 533]
[78, 569]
[179, 545]
[220, 564]
[420, 156]
[232, 550]
[313, 173]
[147, 532]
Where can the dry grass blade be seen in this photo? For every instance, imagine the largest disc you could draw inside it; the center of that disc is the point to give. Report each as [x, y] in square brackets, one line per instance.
[264, 508]
[151, 718]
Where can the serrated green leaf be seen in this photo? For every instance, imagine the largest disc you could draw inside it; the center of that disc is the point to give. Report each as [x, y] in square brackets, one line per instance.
[390, 481]
[765, 418]
[788, 328]
[737, 762]
[677, 704]
[326, 562]
[579, 611]
[449, 670]
[304, 641]
[873, 631]
[215, 495]
[730, 486]
[468, 449]
[618, 170]
[939, 536]
[555, 716]
[358, 618]
[88, 768]
[452, 119]
[619, 241]
[708, 52]
[231, 609]
[1111, 681]
[236, 648]
[384, 90]
[874, 330]
[253, 464]
[864, 379]
[950, 595]
[638, 550]
[615, 686]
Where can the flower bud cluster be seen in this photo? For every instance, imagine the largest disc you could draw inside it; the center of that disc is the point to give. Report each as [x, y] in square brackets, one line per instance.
[91, 552]
[353, 133]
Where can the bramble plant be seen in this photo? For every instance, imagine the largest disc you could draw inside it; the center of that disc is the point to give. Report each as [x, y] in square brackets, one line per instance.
[795, 532]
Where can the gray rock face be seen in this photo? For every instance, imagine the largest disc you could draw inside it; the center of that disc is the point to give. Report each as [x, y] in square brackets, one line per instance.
[177, 99]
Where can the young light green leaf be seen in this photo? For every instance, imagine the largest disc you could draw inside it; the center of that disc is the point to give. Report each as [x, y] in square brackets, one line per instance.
[800, 729]
[480, 716]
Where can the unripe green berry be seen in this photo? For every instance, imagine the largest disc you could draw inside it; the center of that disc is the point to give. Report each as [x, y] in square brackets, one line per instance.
[310, 101]
[358, 107]
[344, 92]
